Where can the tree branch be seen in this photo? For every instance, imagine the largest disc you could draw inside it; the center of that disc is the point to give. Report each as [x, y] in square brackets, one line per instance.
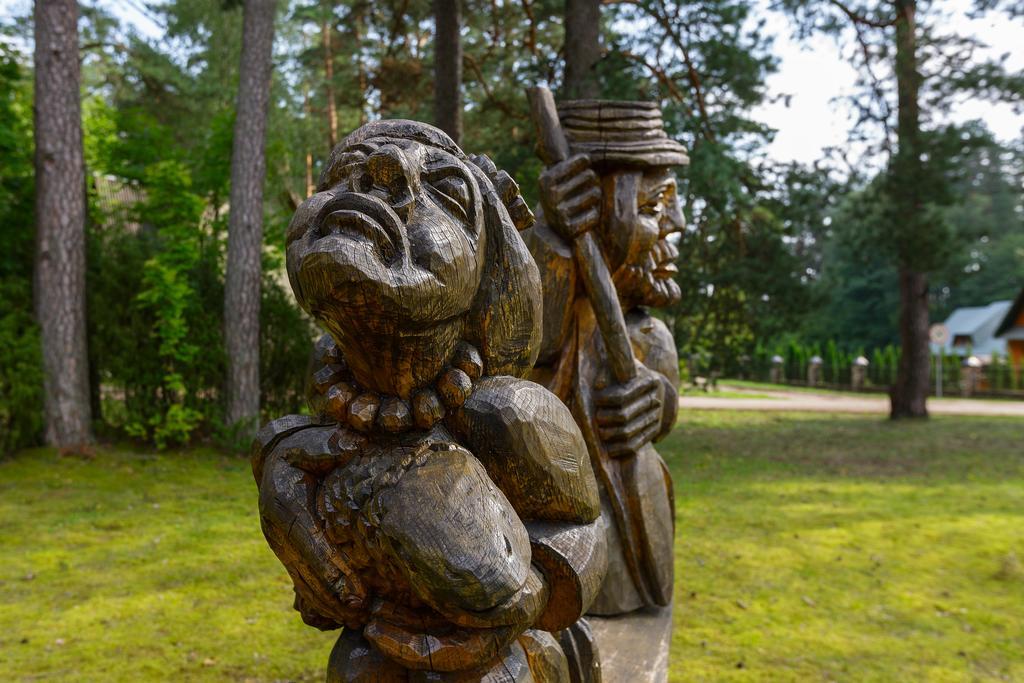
[860, 19]
[503, 106]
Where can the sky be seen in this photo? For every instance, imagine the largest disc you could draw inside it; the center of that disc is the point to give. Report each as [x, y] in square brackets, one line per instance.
[813, 73]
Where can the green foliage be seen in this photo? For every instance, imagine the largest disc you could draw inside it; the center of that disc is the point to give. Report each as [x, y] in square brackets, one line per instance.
[989, 227]
[836, 363]
[21, 377]
[168, 296]
[20, 360]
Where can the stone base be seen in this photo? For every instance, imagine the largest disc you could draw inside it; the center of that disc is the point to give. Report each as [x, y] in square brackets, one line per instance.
[634, 647]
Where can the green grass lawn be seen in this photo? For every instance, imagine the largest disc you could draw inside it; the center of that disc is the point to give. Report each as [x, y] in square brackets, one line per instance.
[742, 388]
[810, 548]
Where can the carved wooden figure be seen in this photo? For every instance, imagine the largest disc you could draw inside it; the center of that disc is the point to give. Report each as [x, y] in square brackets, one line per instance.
[603, 244]
[438, 506]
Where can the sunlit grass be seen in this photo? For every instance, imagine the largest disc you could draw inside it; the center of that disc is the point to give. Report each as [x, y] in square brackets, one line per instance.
[848, 548]
[136, 566]
[809, 548]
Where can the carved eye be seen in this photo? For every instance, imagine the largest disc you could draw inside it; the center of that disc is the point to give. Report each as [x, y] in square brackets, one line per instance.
[453, 193]
[652, 208]
[363, 182]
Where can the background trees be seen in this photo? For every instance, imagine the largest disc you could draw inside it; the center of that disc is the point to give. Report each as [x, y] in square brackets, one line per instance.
[21, 380]
[774, 252]
[911, 66]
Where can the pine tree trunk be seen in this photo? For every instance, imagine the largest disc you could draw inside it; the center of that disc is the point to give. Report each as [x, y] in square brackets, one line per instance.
[582, 48]
[245, 221]
[358, 28]
[448, 69]
[326, 29]
[909, 393]
[308, 111]
[60, 225]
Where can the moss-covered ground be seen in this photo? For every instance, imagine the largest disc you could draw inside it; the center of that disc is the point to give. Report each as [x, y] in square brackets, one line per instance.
[810, 548]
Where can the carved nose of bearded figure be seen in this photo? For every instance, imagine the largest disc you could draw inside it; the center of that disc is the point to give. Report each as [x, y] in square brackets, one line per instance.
[395, 177]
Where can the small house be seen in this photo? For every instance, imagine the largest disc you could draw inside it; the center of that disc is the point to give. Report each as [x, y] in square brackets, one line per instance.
[972, 330]
[1011, 331]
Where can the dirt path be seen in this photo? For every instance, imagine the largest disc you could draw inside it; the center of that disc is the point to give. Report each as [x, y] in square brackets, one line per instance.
[840, 403]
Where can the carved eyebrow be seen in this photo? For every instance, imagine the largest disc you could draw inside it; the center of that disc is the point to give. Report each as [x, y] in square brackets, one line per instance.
[350, 157]
[663, 185]
[435, 165]
[365, 147]
[655, 193]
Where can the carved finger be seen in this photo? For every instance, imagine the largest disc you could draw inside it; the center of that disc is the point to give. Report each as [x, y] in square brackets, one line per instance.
[631, 428]
[519, 610]
[630, 448]
[580, 204]
[620, 394]
[588, 220]
[570, 187]
[554, 176]
[459, 649]
[570, 167]
[619, 415]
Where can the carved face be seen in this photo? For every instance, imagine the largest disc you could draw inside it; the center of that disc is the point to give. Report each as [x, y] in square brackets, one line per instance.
[643, 214]
[388, 256]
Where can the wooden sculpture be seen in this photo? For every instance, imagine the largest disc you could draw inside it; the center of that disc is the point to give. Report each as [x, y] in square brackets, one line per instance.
[602, 243]
[437, 506]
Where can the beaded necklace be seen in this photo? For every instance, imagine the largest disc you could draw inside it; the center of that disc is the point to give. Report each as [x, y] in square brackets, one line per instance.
[338, 397]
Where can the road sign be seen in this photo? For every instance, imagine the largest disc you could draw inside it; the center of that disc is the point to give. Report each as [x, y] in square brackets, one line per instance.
[938, 333]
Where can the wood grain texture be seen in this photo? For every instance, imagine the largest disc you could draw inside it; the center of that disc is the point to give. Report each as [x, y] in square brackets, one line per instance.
[436, 505]
[59, 277]
[582, 649]
[572, 558]
[601, 352]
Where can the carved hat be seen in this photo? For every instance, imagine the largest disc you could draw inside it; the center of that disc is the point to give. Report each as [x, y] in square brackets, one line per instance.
[620, 133]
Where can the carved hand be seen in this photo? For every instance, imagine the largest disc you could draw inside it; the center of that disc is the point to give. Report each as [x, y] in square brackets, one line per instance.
[630, 415]
[468, 640]
[571, 197]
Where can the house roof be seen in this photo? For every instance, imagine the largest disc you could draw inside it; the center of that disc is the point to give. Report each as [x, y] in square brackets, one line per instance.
[1011, 316]
[979, 323]
[974, 319]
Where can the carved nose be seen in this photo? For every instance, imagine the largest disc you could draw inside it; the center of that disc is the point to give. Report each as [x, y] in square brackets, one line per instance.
[394, 174]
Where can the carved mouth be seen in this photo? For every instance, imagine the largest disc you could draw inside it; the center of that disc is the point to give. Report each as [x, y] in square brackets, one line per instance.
[664, 256]
[665, 270]
[665, 262]
[364, 217]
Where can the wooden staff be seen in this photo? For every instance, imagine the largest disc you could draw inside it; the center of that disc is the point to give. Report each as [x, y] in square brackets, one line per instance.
[618, 474]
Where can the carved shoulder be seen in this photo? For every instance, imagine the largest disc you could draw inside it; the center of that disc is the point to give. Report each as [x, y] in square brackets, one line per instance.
[653, 344]
[532, 449]
[553, 256]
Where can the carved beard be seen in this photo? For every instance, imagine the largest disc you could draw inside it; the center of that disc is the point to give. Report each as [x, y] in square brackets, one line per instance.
[648, 284]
